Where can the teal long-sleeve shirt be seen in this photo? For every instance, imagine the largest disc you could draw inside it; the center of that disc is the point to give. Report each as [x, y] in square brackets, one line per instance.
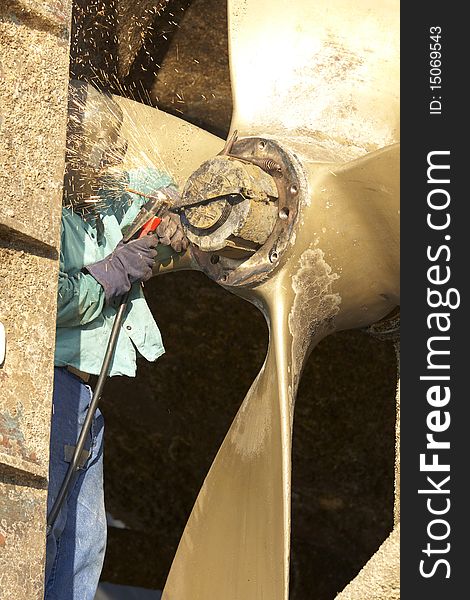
[84, 320]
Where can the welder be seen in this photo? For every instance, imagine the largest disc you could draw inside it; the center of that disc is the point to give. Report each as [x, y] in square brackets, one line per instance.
[96, 270]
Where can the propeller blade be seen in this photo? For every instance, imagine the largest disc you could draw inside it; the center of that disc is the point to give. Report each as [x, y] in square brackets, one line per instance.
[328, 71]
[236, 542]
[158, 139]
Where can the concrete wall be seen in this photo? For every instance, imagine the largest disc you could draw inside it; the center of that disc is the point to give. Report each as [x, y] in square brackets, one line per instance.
[34, 63]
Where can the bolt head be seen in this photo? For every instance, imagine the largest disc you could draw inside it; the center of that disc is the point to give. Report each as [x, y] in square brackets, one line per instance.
[273, 256]
[294, 190]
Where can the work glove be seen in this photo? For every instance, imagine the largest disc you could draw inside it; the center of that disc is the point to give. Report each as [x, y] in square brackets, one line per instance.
[170, 232]
[127, 264]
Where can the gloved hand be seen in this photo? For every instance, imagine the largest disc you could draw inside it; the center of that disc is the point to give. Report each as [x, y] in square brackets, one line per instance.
[170, 233]
[127, 264]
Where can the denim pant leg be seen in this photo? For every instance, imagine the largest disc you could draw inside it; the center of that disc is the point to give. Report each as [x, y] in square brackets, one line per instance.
[76, 545]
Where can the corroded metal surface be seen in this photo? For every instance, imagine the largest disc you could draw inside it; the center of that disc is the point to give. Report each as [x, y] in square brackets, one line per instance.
[223, 175]
[228, 272]
[238, 199]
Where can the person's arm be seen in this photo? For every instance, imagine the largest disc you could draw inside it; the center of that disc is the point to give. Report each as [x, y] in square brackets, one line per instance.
[83, 295]
[80, 298]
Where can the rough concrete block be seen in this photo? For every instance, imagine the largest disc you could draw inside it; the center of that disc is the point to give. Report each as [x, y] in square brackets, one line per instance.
[22, 548]
[27, 310]
[34, 57]
[49, 13]
[34, 66]
[380, 578]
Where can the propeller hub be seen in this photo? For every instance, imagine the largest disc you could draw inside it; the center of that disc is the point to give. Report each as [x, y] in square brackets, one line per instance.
[239, 209]
[231, 205]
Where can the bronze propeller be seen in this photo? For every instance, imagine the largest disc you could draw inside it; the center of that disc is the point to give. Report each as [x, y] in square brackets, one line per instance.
[298, 214]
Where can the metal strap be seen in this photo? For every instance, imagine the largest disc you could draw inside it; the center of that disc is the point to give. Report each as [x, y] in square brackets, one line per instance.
[68, 454]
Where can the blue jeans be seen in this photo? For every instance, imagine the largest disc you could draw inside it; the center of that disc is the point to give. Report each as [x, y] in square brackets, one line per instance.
[76, 545]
